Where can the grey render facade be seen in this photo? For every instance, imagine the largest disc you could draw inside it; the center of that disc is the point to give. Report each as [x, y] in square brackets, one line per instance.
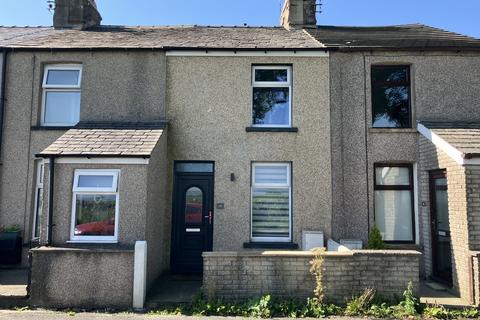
[187, 91]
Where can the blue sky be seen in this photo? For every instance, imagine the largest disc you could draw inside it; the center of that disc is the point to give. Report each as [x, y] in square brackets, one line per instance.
[459, 16]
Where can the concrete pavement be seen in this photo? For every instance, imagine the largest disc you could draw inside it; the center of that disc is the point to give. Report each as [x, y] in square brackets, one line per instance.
[49, 315]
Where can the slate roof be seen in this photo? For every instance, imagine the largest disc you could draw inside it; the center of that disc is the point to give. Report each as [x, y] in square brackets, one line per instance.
[105, 142]
[181, 37]
[409, 36]
[463, 136]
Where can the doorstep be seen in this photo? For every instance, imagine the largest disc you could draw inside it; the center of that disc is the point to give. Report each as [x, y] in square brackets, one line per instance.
[173, 289]
[13, 287]
[434, 293]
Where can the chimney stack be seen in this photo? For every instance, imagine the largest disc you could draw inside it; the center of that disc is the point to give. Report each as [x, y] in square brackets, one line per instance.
[298, 14]
[76, 14]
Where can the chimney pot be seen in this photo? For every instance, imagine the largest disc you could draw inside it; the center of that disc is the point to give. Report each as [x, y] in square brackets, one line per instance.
[76, 14]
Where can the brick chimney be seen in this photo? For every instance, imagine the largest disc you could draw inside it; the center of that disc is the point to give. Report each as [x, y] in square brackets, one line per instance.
[76, 14]
[298, 14]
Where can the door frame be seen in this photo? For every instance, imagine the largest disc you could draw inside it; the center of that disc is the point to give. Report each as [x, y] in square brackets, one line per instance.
[174, 222]
[432, 176]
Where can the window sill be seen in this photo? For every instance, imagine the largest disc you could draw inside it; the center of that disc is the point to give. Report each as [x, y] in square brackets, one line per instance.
[271, 129]
[92, 242]
[270, 245]
[50, 128]
[392, 130]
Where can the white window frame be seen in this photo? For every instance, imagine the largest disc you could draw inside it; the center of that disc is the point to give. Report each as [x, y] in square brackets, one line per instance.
[59, 88]
[272, 186]
[37, 210]
[89, 191]
[274, 84]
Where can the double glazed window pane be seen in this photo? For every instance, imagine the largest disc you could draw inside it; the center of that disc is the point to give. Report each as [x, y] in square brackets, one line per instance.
[271, 174]
[271, 106]
[270, 212]
[63, 77]
[62, 107]
[391, 97]
[393, 214]
[271, 75]
[391, 107]
[391, 176]
[95, 181]
[95, 215]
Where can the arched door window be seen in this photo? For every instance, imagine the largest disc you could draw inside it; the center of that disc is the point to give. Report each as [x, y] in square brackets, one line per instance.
[193, 205]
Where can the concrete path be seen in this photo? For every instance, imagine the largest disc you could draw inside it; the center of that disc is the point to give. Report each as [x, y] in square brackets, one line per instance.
[48, 315]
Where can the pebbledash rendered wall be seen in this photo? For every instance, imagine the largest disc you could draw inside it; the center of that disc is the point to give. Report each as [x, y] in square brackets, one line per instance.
[82, 278]
[240, 275]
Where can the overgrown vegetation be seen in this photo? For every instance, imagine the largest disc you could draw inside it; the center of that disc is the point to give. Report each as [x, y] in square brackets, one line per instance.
[367, 304]
[375, 240]
[316, 269]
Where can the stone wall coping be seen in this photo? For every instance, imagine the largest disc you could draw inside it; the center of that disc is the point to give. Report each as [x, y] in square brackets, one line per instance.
[297, 253]
[81, 250]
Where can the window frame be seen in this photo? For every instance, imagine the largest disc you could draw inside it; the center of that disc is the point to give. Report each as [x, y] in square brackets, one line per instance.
[59, 88]
[408, 83]
[272, 186]
[114, 190]
[273, 84]
[410, 187]
[39, 167]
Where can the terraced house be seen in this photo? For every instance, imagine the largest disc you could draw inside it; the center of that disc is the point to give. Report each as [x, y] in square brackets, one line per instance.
[130, 152]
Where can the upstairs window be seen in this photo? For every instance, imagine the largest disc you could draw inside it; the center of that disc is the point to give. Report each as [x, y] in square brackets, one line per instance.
[61, 95]
[391, 97]
[272, 94]
[271, 202]
[95, 206]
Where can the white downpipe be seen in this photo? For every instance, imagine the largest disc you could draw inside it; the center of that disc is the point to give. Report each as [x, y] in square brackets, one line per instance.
[140, 274]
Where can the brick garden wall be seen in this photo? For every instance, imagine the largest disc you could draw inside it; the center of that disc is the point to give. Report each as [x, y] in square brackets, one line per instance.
[240, 275]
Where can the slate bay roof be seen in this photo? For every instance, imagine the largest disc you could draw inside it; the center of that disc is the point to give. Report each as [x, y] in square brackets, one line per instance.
[104, 142]
[409, 36]
[181, 37]
[463, 136]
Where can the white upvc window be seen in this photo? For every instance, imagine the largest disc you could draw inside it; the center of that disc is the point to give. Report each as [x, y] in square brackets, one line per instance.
[271, 205]
[272, 96]
[61, 95]
[95, 206]
[37, 213]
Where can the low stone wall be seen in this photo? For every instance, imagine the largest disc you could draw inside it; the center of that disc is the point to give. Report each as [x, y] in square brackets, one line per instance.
[81, 278]
[241, 275]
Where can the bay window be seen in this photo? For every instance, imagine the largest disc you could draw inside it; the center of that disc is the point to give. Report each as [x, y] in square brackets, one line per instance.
[271, 202]
[95, 206]
[394, 213]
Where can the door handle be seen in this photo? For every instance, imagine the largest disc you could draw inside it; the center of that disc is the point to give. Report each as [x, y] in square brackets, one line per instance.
[209, 217]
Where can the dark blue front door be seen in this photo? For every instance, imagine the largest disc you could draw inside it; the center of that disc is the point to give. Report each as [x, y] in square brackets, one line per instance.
[192, 221]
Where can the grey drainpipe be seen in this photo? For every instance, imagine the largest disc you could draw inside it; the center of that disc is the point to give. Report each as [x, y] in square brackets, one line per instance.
[50, 200]
[3, 86]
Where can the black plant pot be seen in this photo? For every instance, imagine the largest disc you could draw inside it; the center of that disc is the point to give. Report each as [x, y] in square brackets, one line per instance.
[10, 248]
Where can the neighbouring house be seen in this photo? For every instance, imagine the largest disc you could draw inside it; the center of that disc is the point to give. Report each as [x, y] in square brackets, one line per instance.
[129, 152]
